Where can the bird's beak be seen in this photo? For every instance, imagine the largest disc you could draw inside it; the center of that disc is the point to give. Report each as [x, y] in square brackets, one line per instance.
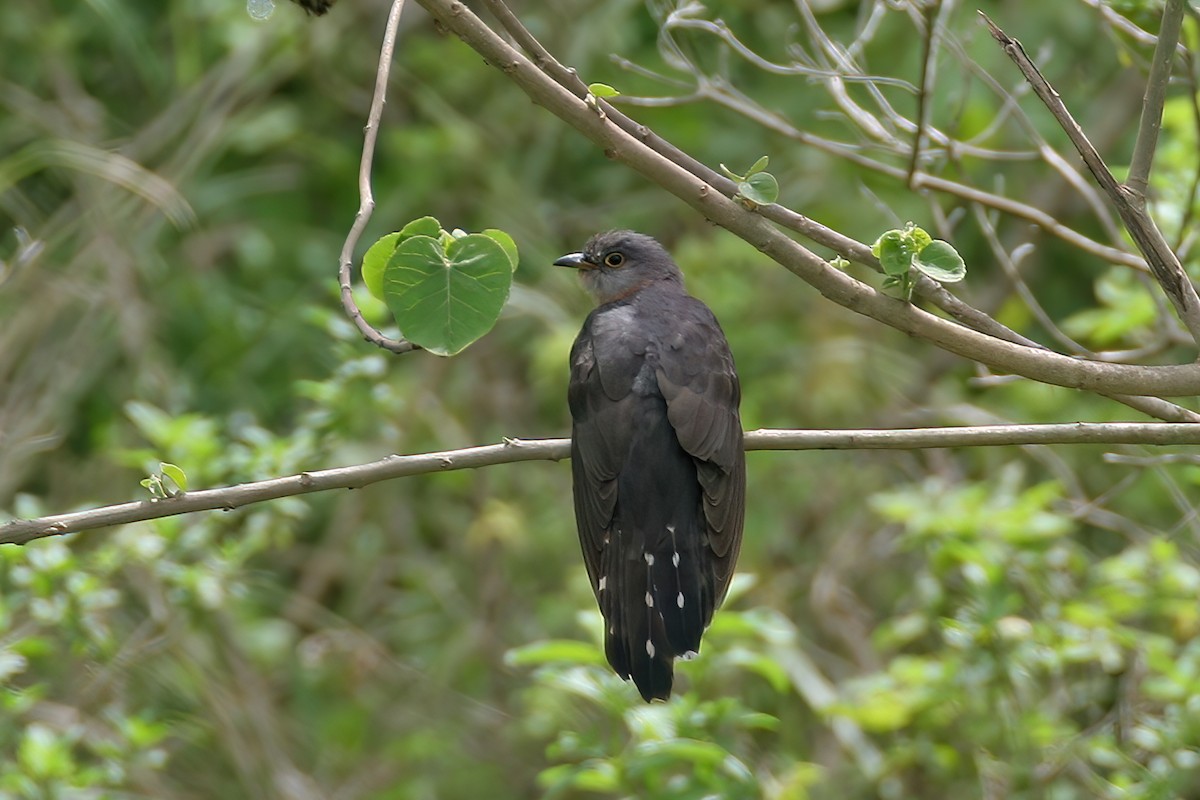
[575, 261]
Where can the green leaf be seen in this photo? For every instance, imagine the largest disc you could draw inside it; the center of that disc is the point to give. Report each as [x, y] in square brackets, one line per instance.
[768, 668]
[506, 242]
[693, 752]
[444, 298]
[376, 258]
[761, 188]
[894, 251]
[44, 755]
[940, 261]
[175, 474]
[421, 226]
[554, 651]
[602, 90]
[759, 165]
[1126, 312]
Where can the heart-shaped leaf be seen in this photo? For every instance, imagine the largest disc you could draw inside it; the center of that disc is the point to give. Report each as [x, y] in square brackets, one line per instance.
[445, 297]
[940, 261]
[376, 258]
[761, 188]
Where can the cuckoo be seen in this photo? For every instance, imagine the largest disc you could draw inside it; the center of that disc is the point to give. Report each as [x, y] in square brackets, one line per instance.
[657, 464]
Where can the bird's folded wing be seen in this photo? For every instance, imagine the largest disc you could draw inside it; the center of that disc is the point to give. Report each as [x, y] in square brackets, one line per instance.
[696, 377]
[596, 456]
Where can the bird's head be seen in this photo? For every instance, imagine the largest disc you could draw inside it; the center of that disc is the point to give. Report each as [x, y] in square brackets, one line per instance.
[616, 264]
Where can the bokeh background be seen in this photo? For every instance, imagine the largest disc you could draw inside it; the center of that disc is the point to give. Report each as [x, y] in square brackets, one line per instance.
[1009, 622]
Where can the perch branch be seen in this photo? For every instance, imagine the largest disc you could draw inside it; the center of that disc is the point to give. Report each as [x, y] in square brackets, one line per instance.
[512, 451]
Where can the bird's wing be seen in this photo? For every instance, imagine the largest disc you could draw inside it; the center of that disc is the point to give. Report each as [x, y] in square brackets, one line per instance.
[599, 437]
[696, 377]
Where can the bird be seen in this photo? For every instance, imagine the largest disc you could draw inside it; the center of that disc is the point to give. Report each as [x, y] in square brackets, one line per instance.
[657, 462]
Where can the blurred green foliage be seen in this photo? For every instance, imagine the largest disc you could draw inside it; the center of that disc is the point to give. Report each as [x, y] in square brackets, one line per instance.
[1013, 622]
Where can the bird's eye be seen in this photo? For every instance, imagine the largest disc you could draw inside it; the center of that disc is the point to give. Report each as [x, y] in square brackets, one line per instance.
[614, 260]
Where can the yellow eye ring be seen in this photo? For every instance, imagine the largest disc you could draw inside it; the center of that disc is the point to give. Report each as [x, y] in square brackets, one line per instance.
[614, 260]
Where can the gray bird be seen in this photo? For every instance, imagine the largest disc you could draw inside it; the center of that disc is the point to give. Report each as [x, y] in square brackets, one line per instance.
[658, 469]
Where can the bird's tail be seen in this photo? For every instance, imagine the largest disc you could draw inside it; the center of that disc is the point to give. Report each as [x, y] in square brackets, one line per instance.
[635, 638]
[653, 605]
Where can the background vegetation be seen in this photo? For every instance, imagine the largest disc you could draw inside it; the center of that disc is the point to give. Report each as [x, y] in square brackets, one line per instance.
[1013, 622]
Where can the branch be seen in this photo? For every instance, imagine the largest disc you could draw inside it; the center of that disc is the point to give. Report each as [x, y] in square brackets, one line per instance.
[1033, 363]
[366, 198]
[22, 531]
[231, 497]
[1130, 205]
[924, 180]
[1152, 103]
[933, 19]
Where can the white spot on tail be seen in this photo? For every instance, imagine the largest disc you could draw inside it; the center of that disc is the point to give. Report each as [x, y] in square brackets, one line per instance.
[649, 559]
[670, 529]
[649, 600]
[603, 583]
[679, 599]
[650, 648]
[675, 559]
[612, 629]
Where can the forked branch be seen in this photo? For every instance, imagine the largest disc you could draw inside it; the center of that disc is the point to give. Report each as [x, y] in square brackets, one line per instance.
[1130, 203]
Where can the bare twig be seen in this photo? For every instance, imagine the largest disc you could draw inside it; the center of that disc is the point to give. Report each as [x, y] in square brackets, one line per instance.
[933, 24]
[1124, 25]
[517, 450]
[923, 180]
[365, 194]
[1138, 179]
[231, 497]
[1130, 205]
[1189, 203]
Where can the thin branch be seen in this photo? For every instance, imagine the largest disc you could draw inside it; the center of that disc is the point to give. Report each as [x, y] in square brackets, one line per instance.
[365, 195]
[1155, 407]
[511, 451]
[1130, 205]
[1156, 94]
[1008, 263]
[231, 497]
[1151, 406]
[933, 18]
[1124, 25]
[923, 180]
[1189, 203]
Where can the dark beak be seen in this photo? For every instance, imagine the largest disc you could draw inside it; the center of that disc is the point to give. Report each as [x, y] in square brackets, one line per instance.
[575, 261]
